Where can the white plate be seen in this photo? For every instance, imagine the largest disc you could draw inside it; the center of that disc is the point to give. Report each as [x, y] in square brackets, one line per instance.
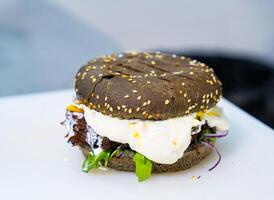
[37, 163]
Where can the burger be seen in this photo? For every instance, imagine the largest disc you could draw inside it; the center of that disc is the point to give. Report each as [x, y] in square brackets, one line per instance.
[145, 112]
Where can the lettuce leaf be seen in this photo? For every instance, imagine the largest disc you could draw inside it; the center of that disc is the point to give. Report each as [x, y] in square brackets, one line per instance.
[143, 167]
[94, 161]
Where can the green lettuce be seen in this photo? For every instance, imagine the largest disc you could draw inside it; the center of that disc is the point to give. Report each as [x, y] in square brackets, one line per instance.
[94, 161]
[143, 167]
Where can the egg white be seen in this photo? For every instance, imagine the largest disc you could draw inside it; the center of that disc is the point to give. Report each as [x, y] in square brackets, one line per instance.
[160, 141]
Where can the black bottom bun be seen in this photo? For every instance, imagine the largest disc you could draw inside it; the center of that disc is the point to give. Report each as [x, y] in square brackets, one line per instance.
[192, 156]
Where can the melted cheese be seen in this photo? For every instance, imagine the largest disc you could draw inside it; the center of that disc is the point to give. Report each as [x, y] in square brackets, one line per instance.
[160, 141]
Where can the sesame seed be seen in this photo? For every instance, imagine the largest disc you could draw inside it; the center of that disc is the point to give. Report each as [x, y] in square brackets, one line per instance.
[183, 84]
[134, 81]
[164, 74]
[84, 75]
[184, 94]
[129, 111]
[148, 82]
[145, 103]
[182, 57]
[106, 98]
[123, 106]
[207, 101]
[181, 91]
[125, 109]
[189, 100]
[143, 113]
[216, 92]
[191, 73]
[152, 71]
[126, 96]
[98, 105]
[139, 97]
[118, 107]
[174, 56]
[111, 109]
[93, 67]
[166, 101]
[149, 117]
[134, 91]
[153, 62]
[97, 96]
[137, 109]
[79, 73]
[148, 102]
[100, 75]
[94, 79]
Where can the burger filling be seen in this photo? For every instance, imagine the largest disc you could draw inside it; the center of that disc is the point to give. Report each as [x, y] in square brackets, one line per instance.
[162, 141]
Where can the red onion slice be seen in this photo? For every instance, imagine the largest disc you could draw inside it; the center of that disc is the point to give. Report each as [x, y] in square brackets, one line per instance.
[218, 134]
[218, 153]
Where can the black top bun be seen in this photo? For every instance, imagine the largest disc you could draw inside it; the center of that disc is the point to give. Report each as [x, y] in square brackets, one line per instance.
[140, 85]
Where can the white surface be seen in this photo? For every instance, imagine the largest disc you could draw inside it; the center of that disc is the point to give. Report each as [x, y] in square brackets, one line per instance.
[37, 163]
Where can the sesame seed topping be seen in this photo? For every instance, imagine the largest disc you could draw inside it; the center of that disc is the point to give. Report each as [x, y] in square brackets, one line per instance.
[145, 103]
[183, 84]
[111, 109]
[126, 96]
[166, 101]
[93, 67]
[148, 102]
[174, 55]
[134, 91]
[139, 97]
[137, 109]
[185, 94]
[182, 57]
[148, 82]
[123, 106]
[97, 96]
[191, 73]
[106, 98]
[152, 62]
[189, 100]
[94, 80]
[118, 107]
[129, 111]
[143, 113]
